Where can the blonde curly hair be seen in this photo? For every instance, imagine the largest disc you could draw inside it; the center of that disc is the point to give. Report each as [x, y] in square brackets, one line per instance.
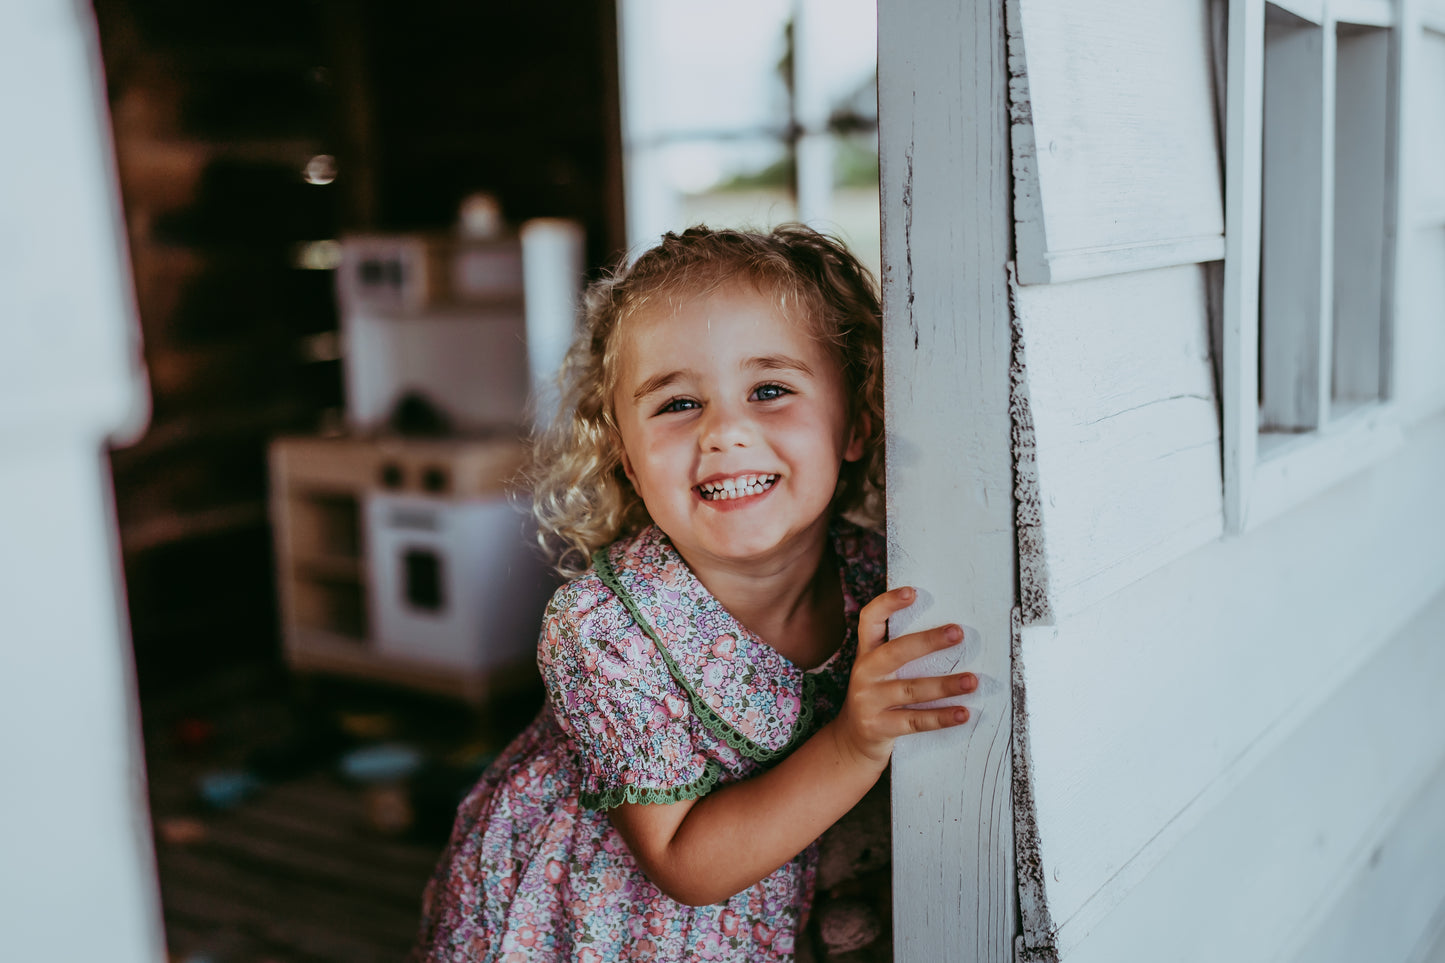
[581, 497]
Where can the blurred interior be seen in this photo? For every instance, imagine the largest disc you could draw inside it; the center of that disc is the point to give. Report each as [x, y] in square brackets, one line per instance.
[312, 711]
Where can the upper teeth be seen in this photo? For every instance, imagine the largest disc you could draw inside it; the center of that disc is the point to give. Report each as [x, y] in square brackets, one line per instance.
[737, 487]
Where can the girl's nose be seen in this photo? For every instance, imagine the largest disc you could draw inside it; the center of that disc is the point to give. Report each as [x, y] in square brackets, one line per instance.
[724, 427]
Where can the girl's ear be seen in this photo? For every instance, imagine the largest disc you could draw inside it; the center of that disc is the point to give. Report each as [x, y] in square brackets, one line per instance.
[627, 464]
[857, 436]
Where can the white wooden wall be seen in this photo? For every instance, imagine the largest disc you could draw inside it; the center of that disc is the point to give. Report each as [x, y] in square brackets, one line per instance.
[1232, 741]
[76, 874]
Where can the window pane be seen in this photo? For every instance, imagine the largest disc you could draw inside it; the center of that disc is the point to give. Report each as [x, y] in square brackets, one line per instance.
[698, 68]
[1293, 352]
[1362, 152]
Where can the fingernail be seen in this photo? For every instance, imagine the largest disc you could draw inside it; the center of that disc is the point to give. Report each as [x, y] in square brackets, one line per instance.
[961, 715]
[953, 633]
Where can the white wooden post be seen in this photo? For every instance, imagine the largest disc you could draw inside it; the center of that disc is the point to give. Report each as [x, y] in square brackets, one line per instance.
[943, 110]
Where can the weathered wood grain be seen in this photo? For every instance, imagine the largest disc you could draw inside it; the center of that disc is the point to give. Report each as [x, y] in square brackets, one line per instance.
[946, 245]
[1126, 427]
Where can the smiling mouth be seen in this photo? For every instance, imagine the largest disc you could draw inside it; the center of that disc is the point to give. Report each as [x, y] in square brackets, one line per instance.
[739, 487]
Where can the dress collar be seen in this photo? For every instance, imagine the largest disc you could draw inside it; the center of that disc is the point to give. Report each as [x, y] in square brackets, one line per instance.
[743, 688]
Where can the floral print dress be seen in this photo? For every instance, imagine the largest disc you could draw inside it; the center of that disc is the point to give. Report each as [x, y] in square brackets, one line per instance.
[655, 693]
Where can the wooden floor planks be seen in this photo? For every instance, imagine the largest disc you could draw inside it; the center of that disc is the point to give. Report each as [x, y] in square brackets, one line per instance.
[293, 873]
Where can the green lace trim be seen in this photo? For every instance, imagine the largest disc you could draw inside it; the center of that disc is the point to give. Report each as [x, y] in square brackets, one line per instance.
[611, 798]
[711, 719]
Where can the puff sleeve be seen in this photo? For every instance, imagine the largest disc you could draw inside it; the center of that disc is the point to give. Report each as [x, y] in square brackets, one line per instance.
[610, 690]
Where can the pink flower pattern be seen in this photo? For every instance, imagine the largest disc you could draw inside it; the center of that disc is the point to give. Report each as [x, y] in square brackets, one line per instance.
[533, 873]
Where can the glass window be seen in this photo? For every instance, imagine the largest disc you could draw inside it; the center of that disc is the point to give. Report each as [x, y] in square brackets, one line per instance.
[750, 114]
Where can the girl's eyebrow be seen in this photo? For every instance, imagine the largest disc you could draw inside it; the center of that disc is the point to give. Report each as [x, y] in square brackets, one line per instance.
[657, 382]
[779, 362]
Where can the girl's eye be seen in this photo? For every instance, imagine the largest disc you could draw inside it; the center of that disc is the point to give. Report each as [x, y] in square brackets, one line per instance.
[677, 404]
[769, 392]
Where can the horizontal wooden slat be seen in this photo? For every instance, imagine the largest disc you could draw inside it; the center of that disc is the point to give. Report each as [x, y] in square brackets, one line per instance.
[1392, 906]
[1130, 187]
[1308, 817]
[1122, 259]
[1148, 709]
[1126, 424]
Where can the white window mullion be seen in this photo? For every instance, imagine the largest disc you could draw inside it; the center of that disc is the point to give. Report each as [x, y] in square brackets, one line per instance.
[1402, 43]
[1243, 148]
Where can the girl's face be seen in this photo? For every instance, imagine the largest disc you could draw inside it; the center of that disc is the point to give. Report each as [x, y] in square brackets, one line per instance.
[734, 423]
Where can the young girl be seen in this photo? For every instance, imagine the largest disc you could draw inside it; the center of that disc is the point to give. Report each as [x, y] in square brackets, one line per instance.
[719, 687]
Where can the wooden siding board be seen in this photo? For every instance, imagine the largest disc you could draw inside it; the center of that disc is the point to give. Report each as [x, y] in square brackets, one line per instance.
[1035, 606]
[946, 243]
[1252, 634]
[1115, 146]
[1393, 902]
[1127, 427]
[1305, 819]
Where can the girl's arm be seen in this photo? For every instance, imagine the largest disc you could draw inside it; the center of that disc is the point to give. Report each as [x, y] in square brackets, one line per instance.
[703, 851]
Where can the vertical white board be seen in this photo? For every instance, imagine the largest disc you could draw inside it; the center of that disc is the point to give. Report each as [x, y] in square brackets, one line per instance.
[946, 244]
[77, 877]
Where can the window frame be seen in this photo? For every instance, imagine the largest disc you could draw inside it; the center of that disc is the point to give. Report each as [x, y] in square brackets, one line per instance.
[1268, 472]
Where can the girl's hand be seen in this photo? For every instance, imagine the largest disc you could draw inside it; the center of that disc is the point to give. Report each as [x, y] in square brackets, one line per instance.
[875, 713]
[702, 851]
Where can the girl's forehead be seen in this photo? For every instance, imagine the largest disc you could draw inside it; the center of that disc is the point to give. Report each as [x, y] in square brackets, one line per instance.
[732, 300]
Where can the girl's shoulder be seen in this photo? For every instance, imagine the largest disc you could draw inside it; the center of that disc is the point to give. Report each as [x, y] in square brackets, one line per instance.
[593, 609]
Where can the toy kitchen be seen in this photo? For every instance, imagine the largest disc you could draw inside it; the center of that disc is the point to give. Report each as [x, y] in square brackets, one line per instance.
[404, 552]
